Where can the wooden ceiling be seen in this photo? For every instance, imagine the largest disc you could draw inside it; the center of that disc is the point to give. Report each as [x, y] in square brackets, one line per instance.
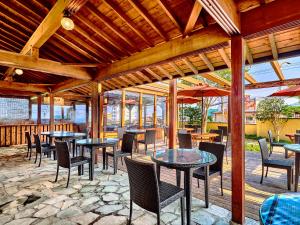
[113, 36]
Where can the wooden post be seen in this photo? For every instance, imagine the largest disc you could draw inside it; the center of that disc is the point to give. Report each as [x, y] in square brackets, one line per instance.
[95, 110]
[229, 115]
[87, 111]
[167, 110]
[29, 108]
[39, 114]
[101, 111]
[51, 120]
[123, 108]
[172, 113]
[154, 111]
[238, 132]
[141, 111]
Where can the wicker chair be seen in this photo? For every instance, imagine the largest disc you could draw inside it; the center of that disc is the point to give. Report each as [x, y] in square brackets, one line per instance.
[120, 133]
[185, 140]
[147, 192]
[126, 150]
[219, 138]
[40, 149]
[149, 139]
[30, 146]
[216, 169]
[276, 144]
[280, 164]
[64, 160]
[226, 137]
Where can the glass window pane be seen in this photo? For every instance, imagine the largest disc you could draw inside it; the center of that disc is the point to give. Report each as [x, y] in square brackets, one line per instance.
[14, 109]
[132, 110]
[148, 111]
[161, 111]
[112, 110]
[80, 113]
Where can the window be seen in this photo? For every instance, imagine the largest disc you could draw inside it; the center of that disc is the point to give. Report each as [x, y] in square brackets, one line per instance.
[14, 109]
[148, 111]
[112, 110]
[80, 113]
[69, 113]
[132, 110]
[161, 111]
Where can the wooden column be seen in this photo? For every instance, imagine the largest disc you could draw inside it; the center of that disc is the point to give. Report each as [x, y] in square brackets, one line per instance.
[51, 120]
[238, 130]
[101, 111]
[39, 114]
[95, 110]
[29, 108]
[167, 110]
[123, 108]
[87, 111]
[172, 113]
[141, 111]
[154, 111]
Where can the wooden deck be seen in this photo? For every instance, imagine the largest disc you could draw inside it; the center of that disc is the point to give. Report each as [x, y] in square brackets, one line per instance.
[276, 182]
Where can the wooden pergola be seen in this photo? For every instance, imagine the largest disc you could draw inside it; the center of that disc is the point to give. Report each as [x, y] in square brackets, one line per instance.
[119, 44]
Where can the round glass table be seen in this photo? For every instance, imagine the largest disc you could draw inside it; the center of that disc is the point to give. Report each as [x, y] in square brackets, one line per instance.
[185, 160]
[295, 148]
[280, 209]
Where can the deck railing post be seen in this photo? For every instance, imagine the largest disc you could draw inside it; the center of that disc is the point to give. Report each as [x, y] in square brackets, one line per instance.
[172, 113]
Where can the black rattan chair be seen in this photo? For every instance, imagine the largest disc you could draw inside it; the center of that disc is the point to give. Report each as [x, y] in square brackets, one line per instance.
[276, 144]
[64, 160]
[30, 146]
[147, 192]
[226, 137]
[126, 150]
[185, 140]
[279, 164]
[216, 169]
[149, 139]
[40, 149]
[120, 133]
[219, 138]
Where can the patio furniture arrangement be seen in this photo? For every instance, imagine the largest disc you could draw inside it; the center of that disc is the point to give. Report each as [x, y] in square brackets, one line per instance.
[39, 149]
[218, 138]
[215, 169]
[185, 140]
[280, 209]
[296, 149]
[185, 160]
[280, 164]
[149, 193]
[276, 144]
[149, 139]
[64, 160]
[135, 132]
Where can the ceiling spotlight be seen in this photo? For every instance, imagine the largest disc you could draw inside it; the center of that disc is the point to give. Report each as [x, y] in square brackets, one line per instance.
[19, 72]
[66, 22]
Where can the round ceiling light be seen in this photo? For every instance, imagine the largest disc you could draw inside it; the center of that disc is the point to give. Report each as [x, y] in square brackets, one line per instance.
[66, 22]
[19, 72]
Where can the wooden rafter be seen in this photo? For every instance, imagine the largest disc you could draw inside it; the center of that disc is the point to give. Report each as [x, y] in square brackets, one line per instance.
[273, 46]
[178, 70]
[179, 85]
[277, 69]
[68, 85]
[7, 85]
[224, 57]
[155, 75]
[192, 80]
[164, 72]
[206, 61]
[275, 83]
[190, 65]
[217, 79]
[250, 78]
[193, 17]
[158, 86]
[248, 54]
[135, 78]
[142, 75]
[126, 80]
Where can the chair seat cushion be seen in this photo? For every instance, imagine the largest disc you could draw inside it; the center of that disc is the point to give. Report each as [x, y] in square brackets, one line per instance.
[279, 144]
[169, 193]
[279, 163]
[79, 160]
[200, 173]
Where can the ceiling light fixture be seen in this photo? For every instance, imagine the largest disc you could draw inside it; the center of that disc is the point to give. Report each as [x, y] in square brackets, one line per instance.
[19, 72]
[66, 22]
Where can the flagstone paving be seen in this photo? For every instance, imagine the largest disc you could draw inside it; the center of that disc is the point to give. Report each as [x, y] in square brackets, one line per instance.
[28, 196]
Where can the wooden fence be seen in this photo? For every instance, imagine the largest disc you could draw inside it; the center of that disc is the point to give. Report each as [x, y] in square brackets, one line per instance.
[15, 134]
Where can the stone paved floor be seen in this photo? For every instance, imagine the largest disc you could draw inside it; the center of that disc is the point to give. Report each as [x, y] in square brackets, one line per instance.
[28, 195]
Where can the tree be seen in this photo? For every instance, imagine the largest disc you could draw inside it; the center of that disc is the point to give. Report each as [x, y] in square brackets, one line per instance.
[275, 111]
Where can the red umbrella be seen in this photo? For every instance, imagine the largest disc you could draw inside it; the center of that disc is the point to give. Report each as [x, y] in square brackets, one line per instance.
[186, 100]
[291, 91]
[203, 91]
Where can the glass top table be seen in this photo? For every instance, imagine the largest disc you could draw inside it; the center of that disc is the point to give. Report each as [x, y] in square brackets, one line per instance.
[280, 209]
[185, 160]
[295, 148]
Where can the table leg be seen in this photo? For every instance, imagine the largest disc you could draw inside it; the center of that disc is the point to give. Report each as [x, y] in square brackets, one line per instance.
[188, 195]
[206, 170]
[136, 144]
[297, 162]
[178, 178]
[92, 152]
[103, 157]
[158, 172]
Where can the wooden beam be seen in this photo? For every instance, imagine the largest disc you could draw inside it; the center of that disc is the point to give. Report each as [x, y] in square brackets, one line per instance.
[273, 46]
[203, 40]
[144, 76]
[148, 90]
[68, 85]
[238, 133]
[101, 111]
[190, 65]
[39, 113]
[248, 54]
[193, 17]
[95, 110]
[217, 79]
[172, 114]
[123, 108]
[8, 85]
[192, 80]
[155, 75]
[274, 16]
[17, 60]
[250, 78]
[141, 110]
[164, 72]
[17, 93]
[51, 104]
[135, 78]
[144, 13]
[179, 85]
[91, 65]
[158, 86]
[274, 83]
[206, 61]
[225, 13]
[277, 69]
[224, 57]
[178, 70]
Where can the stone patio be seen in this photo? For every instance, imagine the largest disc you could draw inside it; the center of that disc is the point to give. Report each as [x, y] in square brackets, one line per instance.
[29, 196]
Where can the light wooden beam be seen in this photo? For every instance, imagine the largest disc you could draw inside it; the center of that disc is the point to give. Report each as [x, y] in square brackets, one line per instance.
[178, 70]
[190, 65]
[192, 80]
[135, 78]
[217, 79]
[250, 78]
[277, 69]
[40, 88]
[143, 76]
[273, 46]
[224, 57]
[206, 61]
[248, 54]
[155, 75]
[163, 71]
[193, 17]
[179, 85]
[274, 83]
[203, 40]
[225, 13]
[91, 65]
[17, 60]
[172, 113]
[68, 85]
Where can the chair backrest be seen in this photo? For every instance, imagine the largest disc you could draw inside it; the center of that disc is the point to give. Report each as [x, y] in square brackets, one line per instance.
[87, 131]
[271, 139]
[63, 154]
[120, 132]
[150, 136]
[28, 139]
[224, 129]
[218, 150]
[297, 138]
[185, 140]
[37, 143]
[144, 189]
[182, 131]
[219, 138]
[127, 143]
[264, 150]
[297, 131]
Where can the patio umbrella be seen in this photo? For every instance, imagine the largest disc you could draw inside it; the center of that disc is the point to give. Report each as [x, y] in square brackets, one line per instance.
[203, 91]
[185, 100]
[291, 91]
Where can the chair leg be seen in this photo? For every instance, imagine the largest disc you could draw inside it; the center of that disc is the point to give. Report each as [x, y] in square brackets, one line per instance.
[90, 170]
[267, 171]
[222, 185]
[40, 160]
[198, 183]
[271, 150]
[292, 176]
[106, 161]
[68, 177]
[182, 206]
[158, 218]
[146, 149]
[30, 153]
[289, 175]
[286, 153]
[27, 152]
[262, 174]
[115, 164]
[57, 170]
[130, 213]
[35, 157]
[226, 152]
[122, 160]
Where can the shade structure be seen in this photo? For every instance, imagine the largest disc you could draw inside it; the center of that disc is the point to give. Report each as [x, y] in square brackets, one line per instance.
[203, 91]
[289, 92]
[186, 100]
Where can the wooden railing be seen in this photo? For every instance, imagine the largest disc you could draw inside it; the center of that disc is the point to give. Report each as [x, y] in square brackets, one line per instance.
[15, 134]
